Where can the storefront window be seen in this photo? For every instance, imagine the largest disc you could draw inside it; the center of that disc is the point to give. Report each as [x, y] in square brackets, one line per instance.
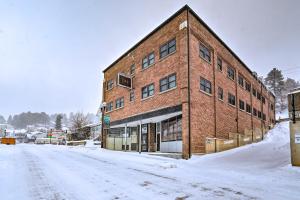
[171, 129]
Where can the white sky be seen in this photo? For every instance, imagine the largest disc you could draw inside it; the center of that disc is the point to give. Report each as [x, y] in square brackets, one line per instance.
[52, 52]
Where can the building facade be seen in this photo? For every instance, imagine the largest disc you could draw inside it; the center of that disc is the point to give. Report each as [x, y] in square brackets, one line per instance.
[182, 84]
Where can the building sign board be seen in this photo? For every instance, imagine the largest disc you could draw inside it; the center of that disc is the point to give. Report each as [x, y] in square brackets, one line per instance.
[106, 121]
[124, 81]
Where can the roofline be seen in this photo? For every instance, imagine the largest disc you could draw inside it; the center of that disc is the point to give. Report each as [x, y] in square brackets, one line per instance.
[186, 7]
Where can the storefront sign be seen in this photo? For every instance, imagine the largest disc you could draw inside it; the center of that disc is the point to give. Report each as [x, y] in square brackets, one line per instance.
[106, 120]
[124, 81]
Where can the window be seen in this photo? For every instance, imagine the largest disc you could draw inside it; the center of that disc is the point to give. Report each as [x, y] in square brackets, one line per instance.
[259, 114]
[205, 85]
[110, 84]
[263, 99]
[109, 106]
[167, 48]
[220, 64]
[258, 96]
[264, 116]
[248, 108]
[131, 95]
[272, 107]
[220, 93]
[205, 53]
[242, 105]
[148, 60]
[230, 72]
[254, 92]
[148, 91]
[167, 83]
[171, 129]
[231, 99]
[248, 86]
[120, 102]
[132, 69]
[241, 81]
[254, 112]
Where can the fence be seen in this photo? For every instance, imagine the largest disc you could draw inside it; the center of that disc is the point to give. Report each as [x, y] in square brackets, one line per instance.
[234, 140]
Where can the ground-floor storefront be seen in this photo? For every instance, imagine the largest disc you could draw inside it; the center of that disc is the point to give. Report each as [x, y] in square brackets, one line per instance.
[161, 132]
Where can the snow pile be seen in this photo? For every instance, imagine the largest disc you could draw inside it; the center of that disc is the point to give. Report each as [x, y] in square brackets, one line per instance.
[257, 171]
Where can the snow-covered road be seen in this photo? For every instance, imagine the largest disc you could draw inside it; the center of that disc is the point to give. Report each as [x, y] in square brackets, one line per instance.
[257, 171]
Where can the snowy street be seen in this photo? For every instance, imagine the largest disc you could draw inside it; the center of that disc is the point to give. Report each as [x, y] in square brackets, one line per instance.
[256, 171]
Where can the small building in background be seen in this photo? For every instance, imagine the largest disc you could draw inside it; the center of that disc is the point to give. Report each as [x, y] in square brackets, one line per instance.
[294, 115]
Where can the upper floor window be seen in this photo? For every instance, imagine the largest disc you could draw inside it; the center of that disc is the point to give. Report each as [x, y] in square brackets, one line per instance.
[220, 93]
[109, 106]
[205, 53]
[241, 81]
[248, 86]
[120, 102]
[167, 48]
[167, 83]
[254, 112]
[148, 91]
[132, 69]
[131, 95]
[148, 60]
[248, 108]
[254, 92]
[230, 72]
[263, 99]
[231, 99]
[272, 107]
[220, 64]
[258, 96]
[110, 84]
[259, 114]
[264, 116]
[205, 85]
[242, 105]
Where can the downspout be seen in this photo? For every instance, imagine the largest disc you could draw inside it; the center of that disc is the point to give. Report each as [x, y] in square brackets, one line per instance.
[251, 100]
[189, 88]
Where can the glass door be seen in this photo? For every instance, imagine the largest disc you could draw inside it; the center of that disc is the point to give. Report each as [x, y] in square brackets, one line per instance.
[144, 138]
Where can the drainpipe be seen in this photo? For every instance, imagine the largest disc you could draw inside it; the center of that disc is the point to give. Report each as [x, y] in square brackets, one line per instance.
[140, 138]
[125, 137]
[189, 87]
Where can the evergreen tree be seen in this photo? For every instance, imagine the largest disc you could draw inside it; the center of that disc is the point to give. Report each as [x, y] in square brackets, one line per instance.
[275, 82]
[58, 122]
[2, 120]
[9, 120]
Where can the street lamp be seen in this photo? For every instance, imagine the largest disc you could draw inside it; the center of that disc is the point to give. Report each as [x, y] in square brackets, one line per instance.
[102, 109]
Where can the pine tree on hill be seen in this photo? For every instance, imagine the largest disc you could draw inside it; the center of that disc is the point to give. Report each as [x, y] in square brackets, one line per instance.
[58, 121]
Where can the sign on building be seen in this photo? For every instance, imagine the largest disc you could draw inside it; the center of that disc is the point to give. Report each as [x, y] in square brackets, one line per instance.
[124, 81]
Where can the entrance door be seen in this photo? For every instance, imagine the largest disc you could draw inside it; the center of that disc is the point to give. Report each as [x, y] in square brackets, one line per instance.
[144, 138]
[158, 136]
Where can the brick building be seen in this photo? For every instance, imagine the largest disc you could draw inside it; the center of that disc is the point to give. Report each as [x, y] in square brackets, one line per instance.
[179, 85]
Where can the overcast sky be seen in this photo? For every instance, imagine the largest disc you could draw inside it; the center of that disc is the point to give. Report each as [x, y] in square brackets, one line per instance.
[52, 52]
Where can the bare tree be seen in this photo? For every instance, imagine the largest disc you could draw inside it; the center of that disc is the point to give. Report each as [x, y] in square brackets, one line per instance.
[78, 121]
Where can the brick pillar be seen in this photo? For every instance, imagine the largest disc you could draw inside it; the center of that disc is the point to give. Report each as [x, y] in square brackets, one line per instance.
[151, 137]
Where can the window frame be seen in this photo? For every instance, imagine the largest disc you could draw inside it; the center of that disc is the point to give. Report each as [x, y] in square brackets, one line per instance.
[110, 84]
[205, 86]
[229, 70]
[147, 61]
[248, 110]
[109, 106]
[168, 83]
[219, 64]
[147, 91]
[229, 99]
[241, 81]
[247, 86]
[168, 48]
[119, 103]
[131, 96]
[241, 103]
[220, 94]
[205, 52]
